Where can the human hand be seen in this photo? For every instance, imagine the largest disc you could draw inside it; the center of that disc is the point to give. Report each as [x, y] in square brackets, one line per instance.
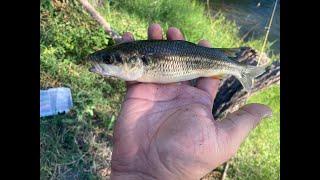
[167, 131]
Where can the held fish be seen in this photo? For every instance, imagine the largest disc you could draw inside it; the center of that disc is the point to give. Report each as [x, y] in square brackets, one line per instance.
[162, 61]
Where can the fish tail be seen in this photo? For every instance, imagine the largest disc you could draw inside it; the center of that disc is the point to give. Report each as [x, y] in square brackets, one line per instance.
[248, 74]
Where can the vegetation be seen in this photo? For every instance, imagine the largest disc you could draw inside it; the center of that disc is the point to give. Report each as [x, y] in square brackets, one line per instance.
[77, 145]
[259, 155]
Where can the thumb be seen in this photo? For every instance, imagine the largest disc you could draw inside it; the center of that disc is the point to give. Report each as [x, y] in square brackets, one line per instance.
[236, 126]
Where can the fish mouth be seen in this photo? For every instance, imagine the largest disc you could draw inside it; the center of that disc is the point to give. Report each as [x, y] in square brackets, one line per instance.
[96, 68]
[99, 69]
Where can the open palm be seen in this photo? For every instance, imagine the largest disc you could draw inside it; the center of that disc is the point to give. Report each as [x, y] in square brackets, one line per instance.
[167, 131]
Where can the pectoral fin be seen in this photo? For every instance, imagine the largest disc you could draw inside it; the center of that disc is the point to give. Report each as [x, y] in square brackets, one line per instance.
[218, 76]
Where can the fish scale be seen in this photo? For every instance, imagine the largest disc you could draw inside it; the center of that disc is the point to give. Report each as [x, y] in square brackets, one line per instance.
[162, 61]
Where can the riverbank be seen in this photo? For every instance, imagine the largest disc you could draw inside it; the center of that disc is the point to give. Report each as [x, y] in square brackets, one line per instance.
[252, 16]
[78, 144]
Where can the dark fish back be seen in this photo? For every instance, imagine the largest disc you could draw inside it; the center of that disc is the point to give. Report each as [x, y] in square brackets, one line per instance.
[173, 48]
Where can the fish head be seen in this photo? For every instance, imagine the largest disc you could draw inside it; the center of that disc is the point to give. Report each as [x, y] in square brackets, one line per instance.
[116, 64]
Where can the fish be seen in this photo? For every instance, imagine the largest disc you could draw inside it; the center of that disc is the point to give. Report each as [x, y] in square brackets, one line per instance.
[169, 61]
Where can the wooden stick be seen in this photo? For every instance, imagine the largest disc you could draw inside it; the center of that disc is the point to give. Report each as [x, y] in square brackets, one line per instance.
[269, 27]
[225, 169]
[208, 5]
[96, 16]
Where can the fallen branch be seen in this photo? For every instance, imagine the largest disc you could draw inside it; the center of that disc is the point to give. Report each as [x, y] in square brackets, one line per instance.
[231, 95]
[96, 16]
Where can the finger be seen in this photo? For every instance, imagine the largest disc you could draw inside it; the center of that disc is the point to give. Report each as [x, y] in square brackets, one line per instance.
[204, 43]
[153, 92]
[155, 32]
[185, 82]
[208, 84]
[127, 37]
[131, 83]
[236, 126]
[174, 33]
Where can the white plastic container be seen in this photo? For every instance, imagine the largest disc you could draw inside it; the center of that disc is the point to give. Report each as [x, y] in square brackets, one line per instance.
[54, 101]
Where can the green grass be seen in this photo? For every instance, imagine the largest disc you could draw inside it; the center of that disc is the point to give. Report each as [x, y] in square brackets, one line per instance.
[77, 145]
[259, 155]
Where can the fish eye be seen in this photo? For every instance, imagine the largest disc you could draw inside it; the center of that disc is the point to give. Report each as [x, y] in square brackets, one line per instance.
[107, 58]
